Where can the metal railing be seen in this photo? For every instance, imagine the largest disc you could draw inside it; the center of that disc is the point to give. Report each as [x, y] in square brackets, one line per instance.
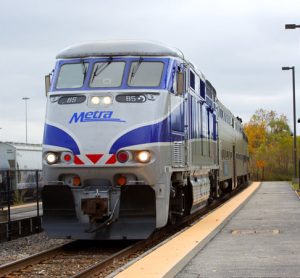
[20, 200]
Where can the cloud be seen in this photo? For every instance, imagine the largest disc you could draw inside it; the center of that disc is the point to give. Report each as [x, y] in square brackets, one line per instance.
[239, 45]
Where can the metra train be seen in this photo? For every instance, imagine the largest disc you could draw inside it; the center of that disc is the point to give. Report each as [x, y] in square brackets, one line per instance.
[134, 138]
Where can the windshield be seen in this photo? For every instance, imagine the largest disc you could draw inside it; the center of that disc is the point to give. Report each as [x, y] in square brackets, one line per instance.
[145, 74]
[72, 75]
[107, 74]
[104, 73]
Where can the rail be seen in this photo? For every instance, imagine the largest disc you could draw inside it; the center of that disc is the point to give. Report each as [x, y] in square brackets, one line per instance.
[114, 257]
[106, 267]
[34, 259]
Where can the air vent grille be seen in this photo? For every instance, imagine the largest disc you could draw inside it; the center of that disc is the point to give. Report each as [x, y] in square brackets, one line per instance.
[178, 154]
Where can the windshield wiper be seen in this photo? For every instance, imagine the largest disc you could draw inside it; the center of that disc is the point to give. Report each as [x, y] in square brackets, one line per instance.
[100, 69]
[135, 69]
[84, 69]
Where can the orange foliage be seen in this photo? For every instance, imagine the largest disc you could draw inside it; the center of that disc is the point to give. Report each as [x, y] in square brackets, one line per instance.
[256, 133]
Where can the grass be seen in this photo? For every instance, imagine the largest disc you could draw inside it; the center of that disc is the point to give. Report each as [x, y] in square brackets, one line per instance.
[295, 186]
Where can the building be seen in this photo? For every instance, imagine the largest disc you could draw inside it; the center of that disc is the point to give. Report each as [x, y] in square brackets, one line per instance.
[22, 156]
[24, 160]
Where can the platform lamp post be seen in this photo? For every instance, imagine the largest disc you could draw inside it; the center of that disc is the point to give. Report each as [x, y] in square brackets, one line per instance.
[294, 26]
[299, 164]
[291, 26]
[25, 99]
[294, 119]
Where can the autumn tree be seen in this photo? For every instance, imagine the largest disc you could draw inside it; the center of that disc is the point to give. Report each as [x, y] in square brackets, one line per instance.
[270, 146]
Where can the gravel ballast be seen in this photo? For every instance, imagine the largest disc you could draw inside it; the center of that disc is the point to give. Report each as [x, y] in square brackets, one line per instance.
[20, 248]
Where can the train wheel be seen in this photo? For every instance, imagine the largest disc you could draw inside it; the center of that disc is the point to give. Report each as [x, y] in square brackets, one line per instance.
[172, 219]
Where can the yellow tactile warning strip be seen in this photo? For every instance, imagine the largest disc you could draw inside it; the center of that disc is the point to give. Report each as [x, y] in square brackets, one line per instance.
[168, 259]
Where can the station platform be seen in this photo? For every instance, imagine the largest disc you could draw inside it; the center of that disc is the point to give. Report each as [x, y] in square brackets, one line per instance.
[261, 240]
[255, 234]
[18, 212]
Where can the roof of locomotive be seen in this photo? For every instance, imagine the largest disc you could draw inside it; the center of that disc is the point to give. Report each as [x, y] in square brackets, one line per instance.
[118, 48]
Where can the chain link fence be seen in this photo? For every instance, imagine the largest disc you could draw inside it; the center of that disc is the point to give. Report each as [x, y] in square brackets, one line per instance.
[20, 203]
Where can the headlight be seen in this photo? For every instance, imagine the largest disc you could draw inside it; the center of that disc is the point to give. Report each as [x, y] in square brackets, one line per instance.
[107, 100]
[51, 158]
[100, 100]
[95, 100]
[143, 156]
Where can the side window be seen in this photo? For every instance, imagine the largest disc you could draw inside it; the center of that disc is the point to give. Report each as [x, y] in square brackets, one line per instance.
[221, 113]
[215, 135]
[202, 89]
[192, 80]
[174, 85]
[178, 81]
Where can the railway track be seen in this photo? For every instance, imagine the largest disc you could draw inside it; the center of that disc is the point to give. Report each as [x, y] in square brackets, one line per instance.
[85, 259]
[66, 260]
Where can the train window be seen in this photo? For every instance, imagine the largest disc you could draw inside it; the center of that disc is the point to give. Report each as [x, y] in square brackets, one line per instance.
[145, 74]
[192, 80]
[107, 74]
[209, 92]
[221, 113]
[71, 75]
[202, 89]
[174, 86]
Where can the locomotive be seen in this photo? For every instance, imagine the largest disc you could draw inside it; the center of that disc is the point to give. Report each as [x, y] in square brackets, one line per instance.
[135, 138]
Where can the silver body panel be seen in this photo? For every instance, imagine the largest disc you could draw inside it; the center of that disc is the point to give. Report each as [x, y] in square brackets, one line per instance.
[179, 130]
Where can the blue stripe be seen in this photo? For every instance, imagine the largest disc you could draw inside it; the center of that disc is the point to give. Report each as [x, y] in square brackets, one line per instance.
[55, 136]
[159, 132]
[155, 133]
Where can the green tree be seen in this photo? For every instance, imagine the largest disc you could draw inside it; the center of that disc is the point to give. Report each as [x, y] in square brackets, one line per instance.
[270, 146]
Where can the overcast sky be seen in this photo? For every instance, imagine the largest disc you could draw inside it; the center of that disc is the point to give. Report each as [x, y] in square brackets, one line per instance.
[240, 46]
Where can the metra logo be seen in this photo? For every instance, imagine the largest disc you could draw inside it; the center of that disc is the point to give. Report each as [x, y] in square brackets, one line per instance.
[93, 116]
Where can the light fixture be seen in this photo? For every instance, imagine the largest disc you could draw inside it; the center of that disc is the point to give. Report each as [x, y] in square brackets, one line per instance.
[107, 100]
[95, 100]
[101, 100]
[143, 156]
[121, 180]
[51, 158]
[123, 156]
[67, 157]
[291, 26]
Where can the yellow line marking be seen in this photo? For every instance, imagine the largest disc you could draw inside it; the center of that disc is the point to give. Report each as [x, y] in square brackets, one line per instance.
[164, 259]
